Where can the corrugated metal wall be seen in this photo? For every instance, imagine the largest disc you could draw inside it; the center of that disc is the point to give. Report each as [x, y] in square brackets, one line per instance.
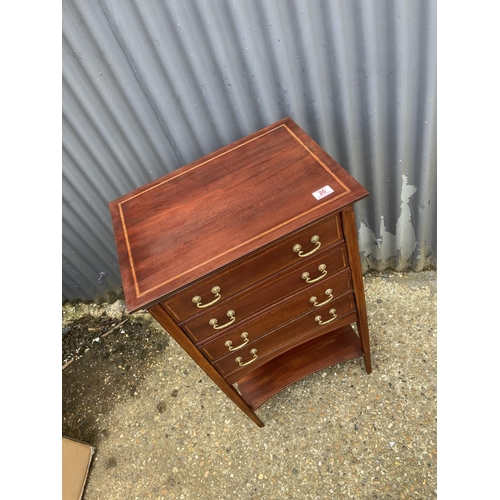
[150, 86]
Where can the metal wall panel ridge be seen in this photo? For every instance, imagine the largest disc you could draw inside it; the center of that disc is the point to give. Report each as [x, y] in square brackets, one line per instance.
[151, 86]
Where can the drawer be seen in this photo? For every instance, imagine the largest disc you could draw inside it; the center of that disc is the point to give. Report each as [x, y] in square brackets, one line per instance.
[209, 291]
[255, 353]
[274, 317]
[232, 312]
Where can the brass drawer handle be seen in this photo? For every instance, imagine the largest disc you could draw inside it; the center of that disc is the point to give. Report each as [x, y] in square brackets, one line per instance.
[332, 312]
[230, 314]
[197, 299]
[253, 352]
[328, 293]
[229, 344]
[321, 269]
[314, 241]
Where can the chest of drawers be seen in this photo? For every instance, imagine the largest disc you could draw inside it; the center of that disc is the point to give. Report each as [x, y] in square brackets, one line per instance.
[249, 259]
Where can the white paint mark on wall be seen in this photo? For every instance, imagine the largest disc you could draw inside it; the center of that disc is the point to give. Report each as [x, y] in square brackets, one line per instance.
[386, 245]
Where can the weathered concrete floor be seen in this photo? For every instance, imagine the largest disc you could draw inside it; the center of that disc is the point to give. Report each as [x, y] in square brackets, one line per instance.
[339, 433]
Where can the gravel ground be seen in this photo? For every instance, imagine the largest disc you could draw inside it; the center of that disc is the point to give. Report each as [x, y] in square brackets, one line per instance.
[163, 430]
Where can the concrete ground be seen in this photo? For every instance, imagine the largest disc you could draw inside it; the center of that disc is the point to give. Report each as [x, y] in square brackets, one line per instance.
[163, 430]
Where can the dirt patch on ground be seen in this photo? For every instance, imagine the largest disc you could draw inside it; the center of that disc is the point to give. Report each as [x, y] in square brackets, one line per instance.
[115, 348]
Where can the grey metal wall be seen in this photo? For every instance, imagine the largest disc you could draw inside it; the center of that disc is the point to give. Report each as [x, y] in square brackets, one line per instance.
[150, 86]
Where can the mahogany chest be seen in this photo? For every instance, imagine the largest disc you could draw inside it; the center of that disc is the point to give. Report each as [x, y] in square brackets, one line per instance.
[249, 259]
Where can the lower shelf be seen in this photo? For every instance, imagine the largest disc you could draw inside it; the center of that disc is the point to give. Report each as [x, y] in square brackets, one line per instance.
[329, 349]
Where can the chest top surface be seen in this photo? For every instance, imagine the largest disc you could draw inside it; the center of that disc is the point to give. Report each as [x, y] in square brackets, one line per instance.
[222, 207]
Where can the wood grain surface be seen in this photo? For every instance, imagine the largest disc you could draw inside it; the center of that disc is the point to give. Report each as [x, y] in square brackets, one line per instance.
[224, 206]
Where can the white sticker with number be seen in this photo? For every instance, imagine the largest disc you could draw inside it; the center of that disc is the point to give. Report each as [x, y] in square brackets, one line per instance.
[321, 193]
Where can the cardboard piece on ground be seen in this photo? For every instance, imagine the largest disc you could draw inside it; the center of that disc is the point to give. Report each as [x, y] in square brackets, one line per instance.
[76, 458]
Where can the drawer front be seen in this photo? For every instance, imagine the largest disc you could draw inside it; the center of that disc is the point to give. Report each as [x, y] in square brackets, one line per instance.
[211, 291]
[255, 353]
[272, 291]
[236, 376]
[274, 317]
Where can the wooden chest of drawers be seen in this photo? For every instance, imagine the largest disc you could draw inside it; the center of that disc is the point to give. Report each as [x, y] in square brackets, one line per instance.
[249, 259]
